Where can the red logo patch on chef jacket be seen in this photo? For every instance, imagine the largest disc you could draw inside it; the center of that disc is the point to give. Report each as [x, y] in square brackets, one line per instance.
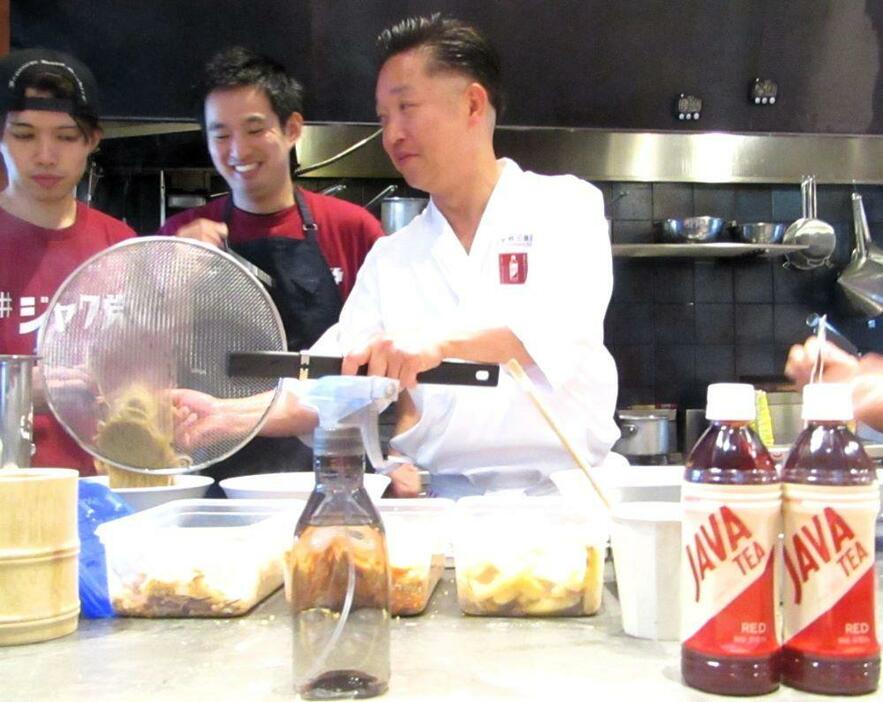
[513, 268]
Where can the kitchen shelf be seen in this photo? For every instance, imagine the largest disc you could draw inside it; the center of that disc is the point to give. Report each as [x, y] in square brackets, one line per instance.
[713, 250]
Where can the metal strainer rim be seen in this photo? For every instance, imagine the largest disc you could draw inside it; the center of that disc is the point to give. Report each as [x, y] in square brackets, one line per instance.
[143, 241]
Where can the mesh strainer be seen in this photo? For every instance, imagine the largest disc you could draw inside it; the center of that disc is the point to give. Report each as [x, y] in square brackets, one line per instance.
[139, 320]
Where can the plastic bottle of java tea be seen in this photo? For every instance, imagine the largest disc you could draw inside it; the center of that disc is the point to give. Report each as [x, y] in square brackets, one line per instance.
[731, 501]
[831, 503]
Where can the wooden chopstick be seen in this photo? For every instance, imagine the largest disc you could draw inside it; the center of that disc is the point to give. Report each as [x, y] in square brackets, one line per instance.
[514, 369]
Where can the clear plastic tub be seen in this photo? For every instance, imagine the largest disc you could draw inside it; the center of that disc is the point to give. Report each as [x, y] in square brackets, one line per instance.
[528, 556]
[197, 558]
[418, 538]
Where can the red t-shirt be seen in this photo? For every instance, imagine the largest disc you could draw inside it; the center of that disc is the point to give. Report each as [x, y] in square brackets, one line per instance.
[33, 263]
[346, 231]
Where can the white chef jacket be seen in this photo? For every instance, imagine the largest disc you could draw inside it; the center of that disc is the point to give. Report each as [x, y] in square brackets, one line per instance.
[540, 264]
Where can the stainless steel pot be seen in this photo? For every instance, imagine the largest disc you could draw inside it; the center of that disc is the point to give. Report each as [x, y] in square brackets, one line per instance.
[643, 434]
[16, 411]
[396, 212]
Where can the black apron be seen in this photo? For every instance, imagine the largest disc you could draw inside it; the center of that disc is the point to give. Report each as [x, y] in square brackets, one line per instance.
[305, 292]
[309, 302]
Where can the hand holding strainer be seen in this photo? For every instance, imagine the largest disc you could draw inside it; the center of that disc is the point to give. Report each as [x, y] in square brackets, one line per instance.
[184, 351]
[148, 319]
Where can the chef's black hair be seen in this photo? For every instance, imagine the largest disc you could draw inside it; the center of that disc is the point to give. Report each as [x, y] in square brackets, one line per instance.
[454, 46]
[238, 67]
[60, 88]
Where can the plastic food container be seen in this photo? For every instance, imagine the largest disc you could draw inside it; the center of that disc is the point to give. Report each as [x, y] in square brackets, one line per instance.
[197, 558]
[528, 556]
[417, 537]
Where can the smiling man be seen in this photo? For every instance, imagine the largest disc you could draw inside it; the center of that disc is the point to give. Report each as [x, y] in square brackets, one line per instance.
[311, 244]
[502, 264]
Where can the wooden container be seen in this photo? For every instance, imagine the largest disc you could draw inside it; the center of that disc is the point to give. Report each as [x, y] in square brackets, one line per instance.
[39, 548]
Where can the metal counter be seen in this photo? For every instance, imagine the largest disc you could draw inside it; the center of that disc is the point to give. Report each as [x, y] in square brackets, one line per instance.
[440, 655]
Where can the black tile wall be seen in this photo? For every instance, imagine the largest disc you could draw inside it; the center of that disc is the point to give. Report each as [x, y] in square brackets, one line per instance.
[629, 324]
[714, 281]
[789, 323]
[753, 281]
[630, 201]
[632, 231]
[715, 201]
[672, 200]
[673, 281]
[754, 323]
[676, 325]
[754, 204]
[715, 363]
[714, 324]
[786, 204]
[632, 280]
[636, 365]
[756, 360]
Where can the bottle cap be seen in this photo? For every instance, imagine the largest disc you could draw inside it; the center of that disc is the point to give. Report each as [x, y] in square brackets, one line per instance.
[827, 402]
[730, 401]
[340, 441]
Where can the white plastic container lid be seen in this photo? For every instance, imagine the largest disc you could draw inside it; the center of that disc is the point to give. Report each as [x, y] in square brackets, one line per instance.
[730, 401]
[827, 402]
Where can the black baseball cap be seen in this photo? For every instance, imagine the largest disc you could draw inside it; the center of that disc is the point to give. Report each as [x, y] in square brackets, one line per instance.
[19, 69]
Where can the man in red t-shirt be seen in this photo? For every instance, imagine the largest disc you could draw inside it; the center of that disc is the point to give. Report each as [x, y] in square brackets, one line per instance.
[311, 245]
[50, 127]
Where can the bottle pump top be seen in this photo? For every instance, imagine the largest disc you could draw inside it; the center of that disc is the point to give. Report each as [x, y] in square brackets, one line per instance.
[730, 401]
[350, 402]
[827, 402]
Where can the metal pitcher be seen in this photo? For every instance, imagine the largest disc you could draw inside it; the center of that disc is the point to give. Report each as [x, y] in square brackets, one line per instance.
[816, 236]
[862, 279]
[16, 411]
[396, 212]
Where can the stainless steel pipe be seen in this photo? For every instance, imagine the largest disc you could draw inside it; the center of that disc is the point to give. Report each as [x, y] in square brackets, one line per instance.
[16, 410]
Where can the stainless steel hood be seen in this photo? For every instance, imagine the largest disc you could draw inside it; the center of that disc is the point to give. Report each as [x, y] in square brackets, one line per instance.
[595, 154]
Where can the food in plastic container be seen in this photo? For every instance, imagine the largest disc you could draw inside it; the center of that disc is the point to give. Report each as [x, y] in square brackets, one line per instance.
[417, 534]
[528, 556]
[197, 558]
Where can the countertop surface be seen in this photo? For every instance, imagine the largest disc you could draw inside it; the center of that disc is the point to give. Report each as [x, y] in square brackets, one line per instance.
[440, 655]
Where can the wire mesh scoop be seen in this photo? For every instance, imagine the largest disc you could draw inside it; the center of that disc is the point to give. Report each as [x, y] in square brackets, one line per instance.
[137, 325]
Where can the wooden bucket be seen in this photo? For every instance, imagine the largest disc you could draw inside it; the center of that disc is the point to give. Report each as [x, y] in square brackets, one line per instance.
[39, 548]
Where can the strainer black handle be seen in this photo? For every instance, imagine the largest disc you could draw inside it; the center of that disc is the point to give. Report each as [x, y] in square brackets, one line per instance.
[304, 366]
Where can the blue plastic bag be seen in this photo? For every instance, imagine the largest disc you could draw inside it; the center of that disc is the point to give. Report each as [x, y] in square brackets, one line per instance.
[97, 504]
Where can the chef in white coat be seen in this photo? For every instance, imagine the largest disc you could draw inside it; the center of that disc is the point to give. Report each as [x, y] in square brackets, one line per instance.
[502, 264]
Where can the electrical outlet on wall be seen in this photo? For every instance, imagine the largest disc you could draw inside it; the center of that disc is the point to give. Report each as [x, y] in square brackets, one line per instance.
[688, 107]
[763, 91]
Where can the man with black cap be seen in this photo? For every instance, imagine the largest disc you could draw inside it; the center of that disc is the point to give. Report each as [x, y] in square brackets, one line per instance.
[49, 113]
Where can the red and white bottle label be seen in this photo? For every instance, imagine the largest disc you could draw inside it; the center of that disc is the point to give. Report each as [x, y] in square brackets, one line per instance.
[830, 589]
[728, 574]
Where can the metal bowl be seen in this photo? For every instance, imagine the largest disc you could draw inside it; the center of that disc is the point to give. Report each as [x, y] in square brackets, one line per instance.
[691, 229]
[759, 233]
